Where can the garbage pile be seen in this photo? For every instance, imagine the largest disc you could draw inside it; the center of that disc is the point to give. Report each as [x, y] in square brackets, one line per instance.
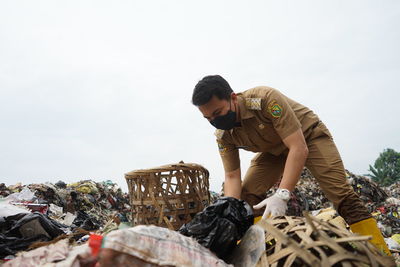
[307, 195]
[39, 218]
[382, 202]
[368, 190]
[43, 212]
[394, 190]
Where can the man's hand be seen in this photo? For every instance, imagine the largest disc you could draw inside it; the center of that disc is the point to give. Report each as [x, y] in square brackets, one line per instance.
[274, 206]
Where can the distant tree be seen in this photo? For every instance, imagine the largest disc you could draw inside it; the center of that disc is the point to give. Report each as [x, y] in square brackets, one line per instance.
[386, 169]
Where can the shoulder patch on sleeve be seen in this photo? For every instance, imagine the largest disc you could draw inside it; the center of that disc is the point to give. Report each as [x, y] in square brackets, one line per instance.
[221, 147]
[219, 133]
[275, 109]
[253, 103]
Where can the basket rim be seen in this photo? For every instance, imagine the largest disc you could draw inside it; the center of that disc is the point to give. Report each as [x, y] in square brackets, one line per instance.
[167, 167]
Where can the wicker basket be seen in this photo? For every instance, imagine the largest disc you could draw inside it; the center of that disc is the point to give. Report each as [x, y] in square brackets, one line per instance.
[296, 241]
[168, 196]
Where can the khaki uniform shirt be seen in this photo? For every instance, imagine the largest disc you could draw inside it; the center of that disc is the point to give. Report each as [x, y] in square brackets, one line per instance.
[267, 117]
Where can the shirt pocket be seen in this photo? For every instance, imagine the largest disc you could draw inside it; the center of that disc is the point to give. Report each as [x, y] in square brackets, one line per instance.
[267, 134]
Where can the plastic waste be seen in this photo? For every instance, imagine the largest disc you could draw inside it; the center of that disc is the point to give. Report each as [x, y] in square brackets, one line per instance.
[220, 225]
[56, 210]
[21, 230]
[95, 243]
[24, 195]
[9, 210]
[392, 244]
[69, 218]
[396, 237]
[84, 221]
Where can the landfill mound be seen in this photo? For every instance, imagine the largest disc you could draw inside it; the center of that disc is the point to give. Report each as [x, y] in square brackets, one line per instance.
[34, 216]
[97, 201]
[44, 212]
[382, 202]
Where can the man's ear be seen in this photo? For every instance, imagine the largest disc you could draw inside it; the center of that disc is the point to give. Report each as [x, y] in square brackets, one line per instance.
[234, 97]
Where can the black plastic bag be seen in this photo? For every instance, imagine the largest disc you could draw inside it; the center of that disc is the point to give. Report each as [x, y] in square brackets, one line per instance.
[85, 221]
[12, 239]
[220, 225]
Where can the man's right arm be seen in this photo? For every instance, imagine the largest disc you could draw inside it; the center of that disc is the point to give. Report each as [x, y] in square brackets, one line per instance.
[233, 184]
[231, 161]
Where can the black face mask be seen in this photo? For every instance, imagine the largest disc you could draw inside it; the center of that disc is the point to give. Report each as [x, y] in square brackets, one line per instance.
[225, 122]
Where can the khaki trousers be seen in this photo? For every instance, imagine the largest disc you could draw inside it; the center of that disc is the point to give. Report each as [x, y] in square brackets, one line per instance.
[325, 164]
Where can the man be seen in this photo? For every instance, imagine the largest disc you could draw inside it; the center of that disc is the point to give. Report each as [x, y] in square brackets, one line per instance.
[286, 136]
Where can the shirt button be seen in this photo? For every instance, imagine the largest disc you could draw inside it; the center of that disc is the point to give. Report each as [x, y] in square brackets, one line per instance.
[261, 126]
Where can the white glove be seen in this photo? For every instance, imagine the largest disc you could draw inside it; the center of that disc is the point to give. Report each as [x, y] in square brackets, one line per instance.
[274, 206]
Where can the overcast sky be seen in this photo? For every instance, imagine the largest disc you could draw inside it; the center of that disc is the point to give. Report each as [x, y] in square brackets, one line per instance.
[94, 89]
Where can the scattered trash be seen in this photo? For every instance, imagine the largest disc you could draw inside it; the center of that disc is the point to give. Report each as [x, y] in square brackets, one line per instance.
[83, 239]
[69, 218]
[24, 195]
[19, 231]
[42, 212]
[95, 243]
[392, 244]
[9, 210]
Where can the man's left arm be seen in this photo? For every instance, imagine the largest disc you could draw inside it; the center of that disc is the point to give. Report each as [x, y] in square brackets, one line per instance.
[277, 109]
[295, 161]
[276, 204]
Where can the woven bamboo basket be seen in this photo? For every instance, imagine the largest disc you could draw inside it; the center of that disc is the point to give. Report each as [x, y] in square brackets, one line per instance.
[298, 241]
[168, 196]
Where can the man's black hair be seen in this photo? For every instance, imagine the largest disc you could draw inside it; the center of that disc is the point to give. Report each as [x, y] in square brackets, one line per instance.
[209, 86]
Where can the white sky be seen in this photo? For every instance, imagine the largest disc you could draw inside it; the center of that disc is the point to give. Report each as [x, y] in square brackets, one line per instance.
[94, 89]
